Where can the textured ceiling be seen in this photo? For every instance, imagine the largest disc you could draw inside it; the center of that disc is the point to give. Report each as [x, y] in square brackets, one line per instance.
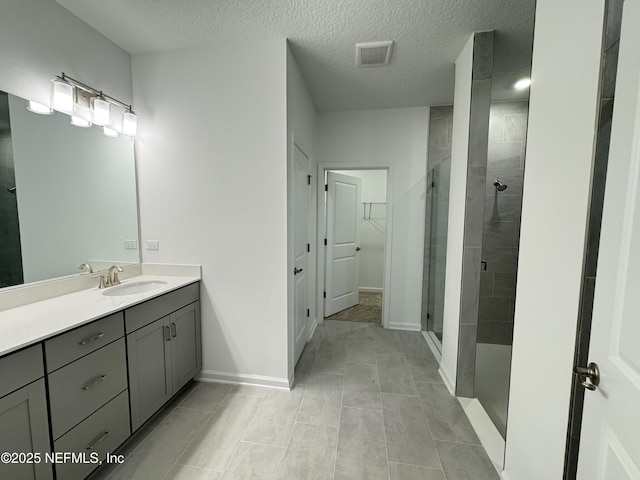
[428, 34]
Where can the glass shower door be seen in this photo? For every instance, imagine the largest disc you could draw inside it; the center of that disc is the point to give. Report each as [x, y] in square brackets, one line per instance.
[437, 248]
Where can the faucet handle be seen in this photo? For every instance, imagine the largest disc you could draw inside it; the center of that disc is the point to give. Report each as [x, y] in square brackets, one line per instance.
[103, 280]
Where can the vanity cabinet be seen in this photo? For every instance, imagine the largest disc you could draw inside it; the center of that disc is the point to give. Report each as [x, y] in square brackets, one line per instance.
[164, 349]
[88, 393]
[23, 412]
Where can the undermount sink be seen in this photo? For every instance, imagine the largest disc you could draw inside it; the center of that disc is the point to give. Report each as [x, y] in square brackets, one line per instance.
[133, 288]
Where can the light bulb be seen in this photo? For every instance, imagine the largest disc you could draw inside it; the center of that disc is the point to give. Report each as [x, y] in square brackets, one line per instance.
[39, 108]
[80, 122]
[62, 96]
[522, 84]
[129, 123]
[110, 132]
[100, 111]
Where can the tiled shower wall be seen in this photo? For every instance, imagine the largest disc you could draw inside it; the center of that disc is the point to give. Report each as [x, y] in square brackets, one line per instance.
[10, 253]
[502, 212]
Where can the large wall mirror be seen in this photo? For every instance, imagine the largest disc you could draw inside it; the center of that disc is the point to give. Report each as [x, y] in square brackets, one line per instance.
[67, 196]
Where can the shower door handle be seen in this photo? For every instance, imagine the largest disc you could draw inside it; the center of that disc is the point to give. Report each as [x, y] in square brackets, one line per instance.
[589, 376]
[484, 265]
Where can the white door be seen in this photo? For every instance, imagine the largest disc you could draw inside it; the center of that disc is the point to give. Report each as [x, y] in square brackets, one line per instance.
[301, 192]
[341, 274]
[610, 439]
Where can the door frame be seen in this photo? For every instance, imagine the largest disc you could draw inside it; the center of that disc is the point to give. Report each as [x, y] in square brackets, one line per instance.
[320, 230]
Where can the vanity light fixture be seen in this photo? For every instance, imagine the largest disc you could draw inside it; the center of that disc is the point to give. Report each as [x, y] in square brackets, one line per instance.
[62, 96]
[88, 106]
[522, 84]
[39, 108]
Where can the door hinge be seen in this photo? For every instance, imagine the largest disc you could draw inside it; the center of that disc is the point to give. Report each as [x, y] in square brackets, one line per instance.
[433, 184]
[325, 242]
[308, 179]
[324, 295]
[326, 188]
[308, 313]
[308, 247]
[428, 316]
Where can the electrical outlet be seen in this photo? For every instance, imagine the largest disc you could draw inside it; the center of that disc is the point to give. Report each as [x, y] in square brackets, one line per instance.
[153, 244]
[130, 244]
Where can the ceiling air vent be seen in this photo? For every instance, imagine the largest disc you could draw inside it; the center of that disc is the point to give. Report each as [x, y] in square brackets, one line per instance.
[373, 54]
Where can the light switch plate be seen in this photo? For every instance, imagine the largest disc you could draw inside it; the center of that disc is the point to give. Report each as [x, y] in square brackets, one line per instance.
[153, 244]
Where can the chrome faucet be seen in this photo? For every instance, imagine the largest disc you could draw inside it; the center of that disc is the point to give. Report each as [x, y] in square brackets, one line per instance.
[87, 266]
[112, 275]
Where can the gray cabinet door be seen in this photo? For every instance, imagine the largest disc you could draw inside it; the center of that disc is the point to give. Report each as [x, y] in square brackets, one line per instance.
[150, 385]
[186, 344]
[23, 413]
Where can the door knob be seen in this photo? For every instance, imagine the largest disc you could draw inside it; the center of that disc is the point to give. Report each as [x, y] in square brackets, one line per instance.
[358, 249]
[296, 270]
[589, 377]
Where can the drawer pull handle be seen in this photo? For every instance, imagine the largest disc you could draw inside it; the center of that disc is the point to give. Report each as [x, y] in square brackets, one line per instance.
[98, 379]
[92, 339]
[98, 439]
[174, 329]
[167, 333]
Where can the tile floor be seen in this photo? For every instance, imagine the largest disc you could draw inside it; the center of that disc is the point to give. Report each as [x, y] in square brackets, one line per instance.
[368, 404]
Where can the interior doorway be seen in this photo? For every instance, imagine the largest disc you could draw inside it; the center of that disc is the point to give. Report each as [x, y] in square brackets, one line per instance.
[355, 229]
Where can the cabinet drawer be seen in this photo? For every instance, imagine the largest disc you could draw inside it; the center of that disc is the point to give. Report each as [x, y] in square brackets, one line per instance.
[143, 314]
[80, 388]
[77, 343]
[101, 433]
[20, 368]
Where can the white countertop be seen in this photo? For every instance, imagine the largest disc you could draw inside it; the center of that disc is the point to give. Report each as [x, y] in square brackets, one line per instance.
[29, 324]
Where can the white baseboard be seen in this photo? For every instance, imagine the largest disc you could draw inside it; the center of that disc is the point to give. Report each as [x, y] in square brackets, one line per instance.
[446, 378]
[404, 326]
[487, 433]
[312, 330]
[214, 376]
[370, 290]
[432, 346]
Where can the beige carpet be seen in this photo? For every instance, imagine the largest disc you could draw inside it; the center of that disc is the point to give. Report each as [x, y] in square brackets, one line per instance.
[369, 310]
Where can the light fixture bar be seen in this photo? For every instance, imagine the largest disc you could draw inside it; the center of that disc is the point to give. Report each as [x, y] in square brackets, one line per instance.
[93, 91]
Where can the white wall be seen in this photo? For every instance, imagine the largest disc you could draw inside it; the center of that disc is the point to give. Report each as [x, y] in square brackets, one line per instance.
[301, 129]
[395, 137]
[76, 192]
[373, 228]
[562, 119]
[41, 39]
[212, 160]
[457, 201]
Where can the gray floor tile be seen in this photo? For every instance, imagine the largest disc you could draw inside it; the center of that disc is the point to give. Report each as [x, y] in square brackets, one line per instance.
[216, 442]
[325, 381]
[399, 471]
[395, 375]
[273, 422]
[156, 455]
[407, 432]
[445, 415]
[361, 350]
[255, 462]
[250, 391]
[412, 339]
[183, 472]
[311, 453]
[304, 365]
[424, 367]
[206, 396]
[321, 407]
[462, 462]
[387, 342]
[361, 387]
[332, 356]
[361, 446]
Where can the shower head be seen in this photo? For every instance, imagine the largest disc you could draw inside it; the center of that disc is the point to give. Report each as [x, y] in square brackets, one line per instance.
[500, 187]
[12, 190]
